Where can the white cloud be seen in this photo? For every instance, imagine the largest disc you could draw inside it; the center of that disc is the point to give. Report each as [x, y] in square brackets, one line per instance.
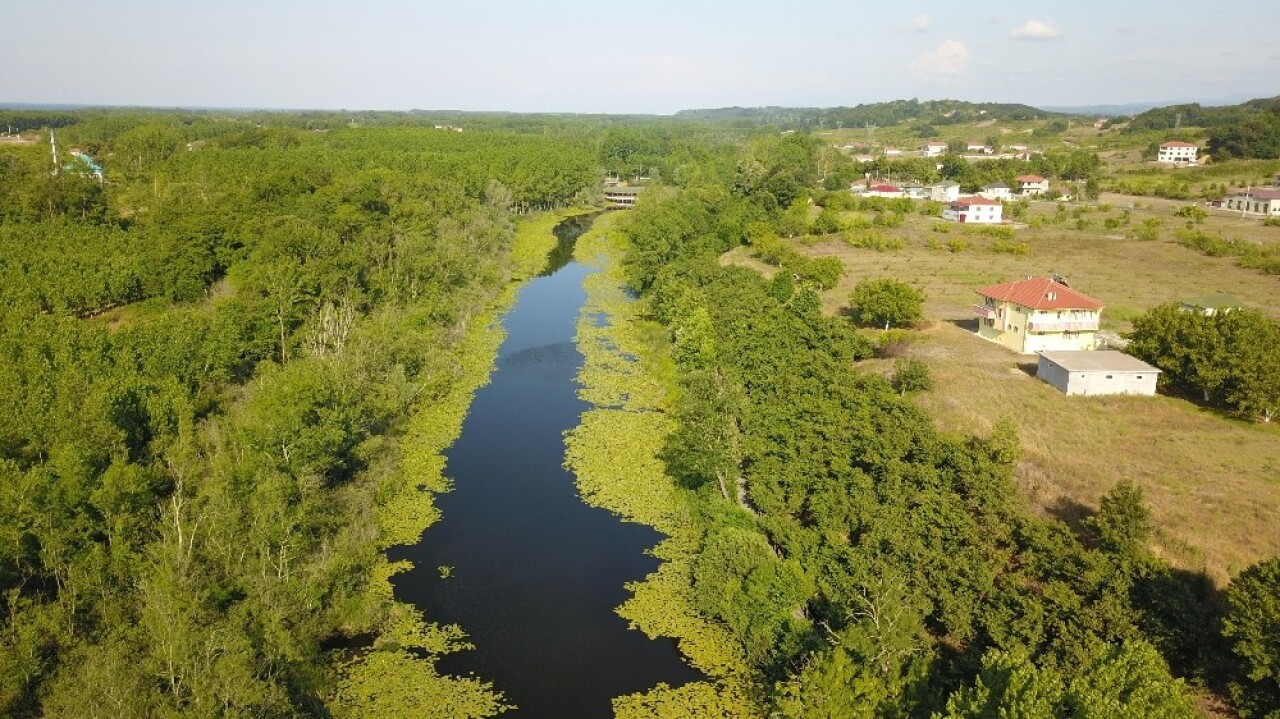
[919, 23]
[950, 59]
[1036, 30]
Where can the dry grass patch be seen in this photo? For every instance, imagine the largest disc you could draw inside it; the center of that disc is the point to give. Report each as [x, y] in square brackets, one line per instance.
[1213, 484]
[1128, 275]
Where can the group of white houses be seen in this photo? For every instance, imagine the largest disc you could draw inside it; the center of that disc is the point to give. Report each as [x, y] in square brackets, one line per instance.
[1045, 316]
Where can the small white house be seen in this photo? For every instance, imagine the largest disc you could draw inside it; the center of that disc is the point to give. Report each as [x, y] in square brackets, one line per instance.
[944, 192]
[974, 210]
[997, 191]
[979, 147]
[933, 148]
[1095, 372]
[1029, 185]
[1175, 152]
[892, 151]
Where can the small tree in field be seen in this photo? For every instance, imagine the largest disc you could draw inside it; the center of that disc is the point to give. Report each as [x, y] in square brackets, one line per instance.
[886, 303]
[911, 375]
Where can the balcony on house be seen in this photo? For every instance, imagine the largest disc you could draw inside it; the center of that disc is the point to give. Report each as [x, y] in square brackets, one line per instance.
[1063, 324]
[984, 311]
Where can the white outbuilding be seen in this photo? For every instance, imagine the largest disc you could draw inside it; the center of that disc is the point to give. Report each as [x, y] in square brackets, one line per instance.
[1094, 372]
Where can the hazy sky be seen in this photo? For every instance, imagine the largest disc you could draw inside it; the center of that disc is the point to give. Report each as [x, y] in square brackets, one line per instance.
[655, 56]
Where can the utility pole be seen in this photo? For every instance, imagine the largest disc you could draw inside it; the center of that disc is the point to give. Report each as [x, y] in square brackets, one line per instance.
[871, 133]
[53, 144]
[1177, 121]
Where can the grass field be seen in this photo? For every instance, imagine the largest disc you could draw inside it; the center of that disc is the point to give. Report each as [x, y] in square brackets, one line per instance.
[1213, 483]
[1129, 276]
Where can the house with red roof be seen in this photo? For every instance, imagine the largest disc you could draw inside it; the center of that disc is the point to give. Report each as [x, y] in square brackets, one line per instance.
[1175, 152]
[1038, 314]
[974, 211]
[1029, 185]
[883, 190]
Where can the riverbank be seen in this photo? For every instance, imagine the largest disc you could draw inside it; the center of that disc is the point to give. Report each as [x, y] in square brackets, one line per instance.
[629, 379]
[397, 676]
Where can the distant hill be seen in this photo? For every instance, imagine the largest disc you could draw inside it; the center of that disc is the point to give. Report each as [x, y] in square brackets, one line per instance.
[933, 112]
[1196, 115]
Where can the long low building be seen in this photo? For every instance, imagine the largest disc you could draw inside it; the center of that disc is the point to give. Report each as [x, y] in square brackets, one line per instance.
[1095, 372]
[1258, 201]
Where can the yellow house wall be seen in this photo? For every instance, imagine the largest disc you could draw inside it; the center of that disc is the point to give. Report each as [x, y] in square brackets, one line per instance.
[1010, 330]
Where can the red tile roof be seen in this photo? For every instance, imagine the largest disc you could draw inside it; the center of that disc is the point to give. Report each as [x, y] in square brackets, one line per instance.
[883, 188]
[1177, 143]
[966, 201]
[936, 143]
[1036, 292]
[1030, 178]
[1261, 194]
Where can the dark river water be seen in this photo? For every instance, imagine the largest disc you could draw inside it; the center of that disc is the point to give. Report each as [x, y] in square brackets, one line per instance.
[536, 574]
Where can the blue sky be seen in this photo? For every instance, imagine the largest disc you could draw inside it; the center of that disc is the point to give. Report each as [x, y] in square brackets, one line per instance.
[654, 56]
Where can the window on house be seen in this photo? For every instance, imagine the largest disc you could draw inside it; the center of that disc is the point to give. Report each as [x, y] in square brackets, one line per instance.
[1108, 376]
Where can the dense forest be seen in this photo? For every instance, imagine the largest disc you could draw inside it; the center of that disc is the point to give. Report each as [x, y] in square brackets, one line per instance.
[868, 565]
[210, 358]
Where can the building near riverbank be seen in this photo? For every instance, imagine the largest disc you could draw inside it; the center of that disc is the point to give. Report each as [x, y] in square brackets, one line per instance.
[622, 197]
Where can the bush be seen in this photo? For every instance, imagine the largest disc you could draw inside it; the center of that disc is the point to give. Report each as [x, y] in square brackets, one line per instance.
[942, 228]
[1192, 212]
[886, 302]
[894, 343]
[1011, 248]
[1148, 231]
[888, 219]
[911, 375]
[957, 246]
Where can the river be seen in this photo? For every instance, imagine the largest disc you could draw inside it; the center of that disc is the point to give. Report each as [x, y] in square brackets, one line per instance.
[535, 574]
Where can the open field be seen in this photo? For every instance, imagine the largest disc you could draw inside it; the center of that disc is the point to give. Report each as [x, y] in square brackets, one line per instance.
[1130, 276]
[1213, 483]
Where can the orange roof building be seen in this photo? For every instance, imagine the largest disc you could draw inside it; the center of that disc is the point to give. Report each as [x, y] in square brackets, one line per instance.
[1038, 314]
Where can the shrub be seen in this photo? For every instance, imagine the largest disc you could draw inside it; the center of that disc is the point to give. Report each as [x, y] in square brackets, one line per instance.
[911, 375]
[957, 245]
[886, 302]
[1011, 248]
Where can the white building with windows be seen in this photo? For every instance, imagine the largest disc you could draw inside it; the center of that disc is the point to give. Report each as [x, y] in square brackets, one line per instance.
[933, 148]
[997, 191]
[1176, 152]
[1030, 185]
[1255, 202]
[944, 192]
[974, 211]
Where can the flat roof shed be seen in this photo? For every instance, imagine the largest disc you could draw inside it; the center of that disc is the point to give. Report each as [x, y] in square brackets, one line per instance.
[1097, 372]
